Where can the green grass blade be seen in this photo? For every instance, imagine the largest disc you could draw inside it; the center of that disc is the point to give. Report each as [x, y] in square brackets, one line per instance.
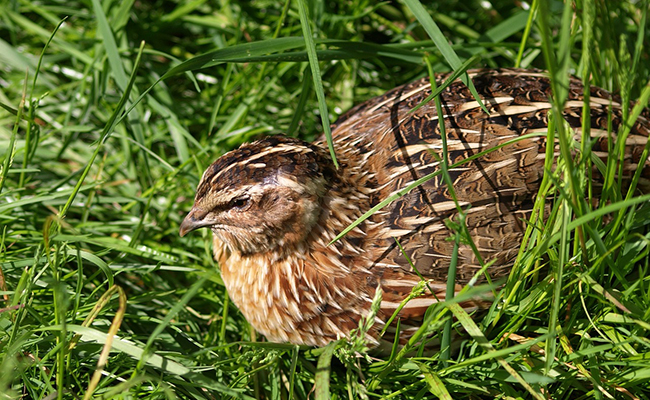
[441, 43]
[316, 76]
[108, 129]
[322, 380]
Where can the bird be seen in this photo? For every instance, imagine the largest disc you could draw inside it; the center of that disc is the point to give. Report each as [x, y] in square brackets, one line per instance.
[275, 205]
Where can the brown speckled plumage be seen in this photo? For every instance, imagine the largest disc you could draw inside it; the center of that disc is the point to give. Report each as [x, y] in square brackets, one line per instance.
[275, 204]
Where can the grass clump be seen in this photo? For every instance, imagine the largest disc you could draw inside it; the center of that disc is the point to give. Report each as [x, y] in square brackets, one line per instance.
[100, 155]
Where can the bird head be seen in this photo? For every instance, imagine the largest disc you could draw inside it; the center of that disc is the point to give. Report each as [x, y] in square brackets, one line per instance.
[263, 195]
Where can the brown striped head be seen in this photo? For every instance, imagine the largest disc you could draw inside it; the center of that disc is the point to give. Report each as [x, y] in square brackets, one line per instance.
[262, 195]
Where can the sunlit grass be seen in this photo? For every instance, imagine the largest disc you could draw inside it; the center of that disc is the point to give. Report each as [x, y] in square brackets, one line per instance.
[91, 198]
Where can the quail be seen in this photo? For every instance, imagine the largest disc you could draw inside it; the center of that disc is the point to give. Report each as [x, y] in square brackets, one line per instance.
[275, 205]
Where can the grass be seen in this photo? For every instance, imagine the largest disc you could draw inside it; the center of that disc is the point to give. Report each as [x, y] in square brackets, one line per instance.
[92, 197]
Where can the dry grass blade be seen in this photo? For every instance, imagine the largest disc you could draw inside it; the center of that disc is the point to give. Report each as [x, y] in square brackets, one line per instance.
[112, 332]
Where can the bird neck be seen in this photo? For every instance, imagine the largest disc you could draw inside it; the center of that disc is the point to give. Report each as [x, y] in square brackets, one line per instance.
[284, 292]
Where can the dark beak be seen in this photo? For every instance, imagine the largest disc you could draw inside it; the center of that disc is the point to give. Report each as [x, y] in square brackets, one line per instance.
[191, 223]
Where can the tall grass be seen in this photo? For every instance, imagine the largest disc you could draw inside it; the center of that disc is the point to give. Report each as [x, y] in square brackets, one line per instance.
[111, 111]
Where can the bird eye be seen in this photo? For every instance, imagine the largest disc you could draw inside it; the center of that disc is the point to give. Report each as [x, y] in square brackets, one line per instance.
[239, 202]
